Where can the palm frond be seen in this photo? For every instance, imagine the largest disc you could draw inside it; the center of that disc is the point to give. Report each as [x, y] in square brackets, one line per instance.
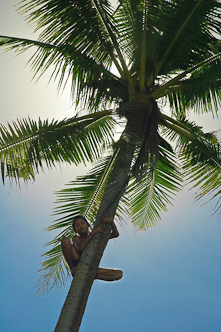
[53, 271]
[132, 18]
[84, 25]
[192, 139]
[205, 176]
[200, 155]
[67, 61]
[203, 172]
[83, 195]
[173, 84]
[77, 198]
[155, 190]
[75, 24]
[125, 24]
[188, 42]
[26, 144]
[201, 91]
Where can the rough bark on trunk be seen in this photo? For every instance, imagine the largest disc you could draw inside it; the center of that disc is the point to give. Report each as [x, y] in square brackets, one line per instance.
[75, 303]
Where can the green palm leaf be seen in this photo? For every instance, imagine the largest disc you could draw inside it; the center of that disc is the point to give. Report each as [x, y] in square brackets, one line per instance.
[204, 172]
[83, 195]
[63, 44]
[194, 22]
[200, 92]
[27, 144]
[192, 140]
[53, 271]
[67, 62]
[155, 190]
[204, 175]
[200, 156]
[76, 24]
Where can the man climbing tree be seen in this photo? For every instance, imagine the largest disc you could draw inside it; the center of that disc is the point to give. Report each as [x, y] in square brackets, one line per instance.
[73, 251]
[145, 63]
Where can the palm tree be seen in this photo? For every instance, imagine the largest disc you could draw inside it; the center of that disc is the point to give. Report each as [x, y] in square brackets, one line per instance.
[127, 62]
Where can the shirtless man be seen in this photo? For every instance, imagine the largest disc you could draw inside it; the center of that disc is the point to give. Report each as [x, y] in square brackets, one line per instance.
[73, 251]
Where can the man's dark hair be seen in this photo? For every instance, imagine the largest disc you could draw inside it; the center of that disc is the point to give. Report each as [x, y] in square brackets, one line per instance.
[79, 217]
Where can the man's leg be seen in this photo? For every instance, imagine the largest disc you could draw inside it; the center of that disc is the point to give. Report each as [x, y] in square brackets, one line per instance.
[109, 274]
[69, 253]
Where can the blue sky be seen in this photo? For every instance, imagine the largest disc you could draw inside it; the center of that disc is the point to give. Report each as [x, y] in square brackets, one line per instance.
[171, 272]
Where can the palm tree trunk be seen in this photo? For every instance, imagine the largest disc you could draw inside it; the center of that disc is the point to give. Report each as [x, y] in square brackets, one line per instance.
[75, 303]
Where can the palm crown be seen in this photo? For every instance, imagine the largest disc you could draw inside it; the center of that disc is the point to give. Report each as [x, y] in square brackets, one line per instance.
[125, 62]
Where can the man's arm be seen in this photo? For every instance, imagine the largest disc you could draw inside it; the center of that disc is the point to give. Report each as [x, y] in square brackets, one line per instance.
[81, 243]
[114, 232]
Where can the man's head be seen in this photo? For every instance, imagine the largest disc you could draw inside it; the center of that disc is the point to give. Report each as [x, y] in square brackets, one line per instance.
[80, 225]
